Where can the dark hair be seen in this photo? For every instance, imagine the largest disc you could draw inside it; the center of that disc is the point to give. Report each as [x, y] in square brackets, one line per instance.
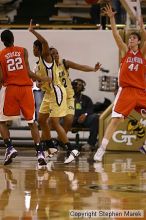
[51, 48]
[136, 34]
[75, 81]
[7, 38]
[38, 44]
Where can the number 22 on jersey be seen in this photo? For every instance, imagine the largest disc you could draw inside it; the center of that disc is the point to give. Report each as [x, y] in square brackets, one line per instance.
[14, 64]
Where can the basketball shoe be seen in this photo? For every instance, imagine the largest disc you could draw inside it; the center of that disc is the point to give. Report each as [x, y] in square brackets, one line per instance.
[71, 156]
[10, 153]
[143, 149]
[41, 158]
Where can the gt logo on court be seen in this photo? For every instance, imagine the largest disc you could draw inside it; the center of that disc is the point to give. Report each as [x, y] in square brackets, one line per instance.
[121, 136]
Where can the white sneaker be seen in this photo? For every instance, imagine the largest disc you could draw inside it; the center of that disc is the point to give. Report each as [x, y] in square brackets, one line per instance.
[41, 158]
[99, 154]
[72, 156]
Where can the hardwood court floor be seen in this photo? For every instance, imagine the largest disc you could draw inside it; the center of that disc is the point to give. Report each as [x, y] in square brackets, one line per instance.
[29, 193]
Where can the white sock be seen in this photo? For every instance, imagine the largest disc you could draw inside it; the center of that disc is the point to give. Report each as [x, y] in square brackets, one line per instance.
[104, 143]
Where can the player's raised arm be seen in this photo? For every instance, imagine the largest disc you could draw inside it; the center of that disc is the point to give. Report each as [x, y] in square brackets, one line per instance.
[142, 28]
[119, 41]
[45, 45]
[143, 34]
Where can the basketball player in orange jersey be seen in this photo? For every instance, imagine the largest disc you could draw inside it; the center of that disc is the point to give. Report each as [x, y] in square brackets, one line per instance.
[17, 94]
[132, 80]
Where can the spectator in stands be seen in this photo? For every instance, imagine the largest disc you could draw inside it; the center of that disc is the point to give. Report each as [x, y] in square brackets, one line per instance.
[120, 12]
[97, 17]
[84, 115]
[96, 13]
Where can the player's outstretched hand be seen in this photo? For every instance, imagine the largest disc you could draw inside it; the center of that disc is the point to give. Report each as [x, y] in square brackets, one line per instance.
[140, 22]
[97, 66]
[30, 26]
[107, 10]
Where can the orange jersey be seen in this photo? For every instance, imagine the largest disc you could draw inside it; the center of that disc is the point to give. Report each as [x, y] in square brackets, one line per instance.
[133, 70]
[13, 67]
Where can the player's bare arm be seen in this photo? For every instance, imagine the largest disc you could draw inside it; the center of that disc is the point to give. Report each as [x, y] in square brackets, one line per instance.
[45, 46]
[80, 67]
[35, 77]
[32, 75]
[143, 34]
[142, 28]
[119, 41]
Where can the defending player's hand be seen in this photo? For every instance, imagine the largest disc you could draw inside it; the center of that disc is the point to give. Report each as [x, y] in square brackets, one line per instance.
[97, 66]
[140, 22]
[30, 26]
[108, 11]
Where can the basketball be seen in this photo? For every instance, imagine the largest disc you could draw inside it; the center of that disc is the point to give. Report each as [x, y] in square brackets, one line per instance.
[91, 1]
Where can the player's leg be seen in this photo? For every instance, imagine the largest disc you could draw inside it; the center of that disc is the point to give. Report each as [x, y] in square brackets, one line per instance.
[57, 112]
[38, 144]
[107, 136]
[68, 119]
[43, 120]
[120, 109]
[67, 122]
[11, 152]
[28, 112]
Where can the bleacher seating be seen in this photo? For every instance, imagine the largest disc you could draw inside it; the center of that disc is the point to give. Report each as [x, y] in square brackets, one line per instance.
[74, 11]
[7, 10]
[39, 11]
[46, 12]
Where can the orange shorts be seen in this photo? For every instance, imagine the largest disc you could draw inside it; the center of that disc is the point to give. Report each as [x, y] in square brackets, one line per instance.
[19, 99]
[129, 98]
